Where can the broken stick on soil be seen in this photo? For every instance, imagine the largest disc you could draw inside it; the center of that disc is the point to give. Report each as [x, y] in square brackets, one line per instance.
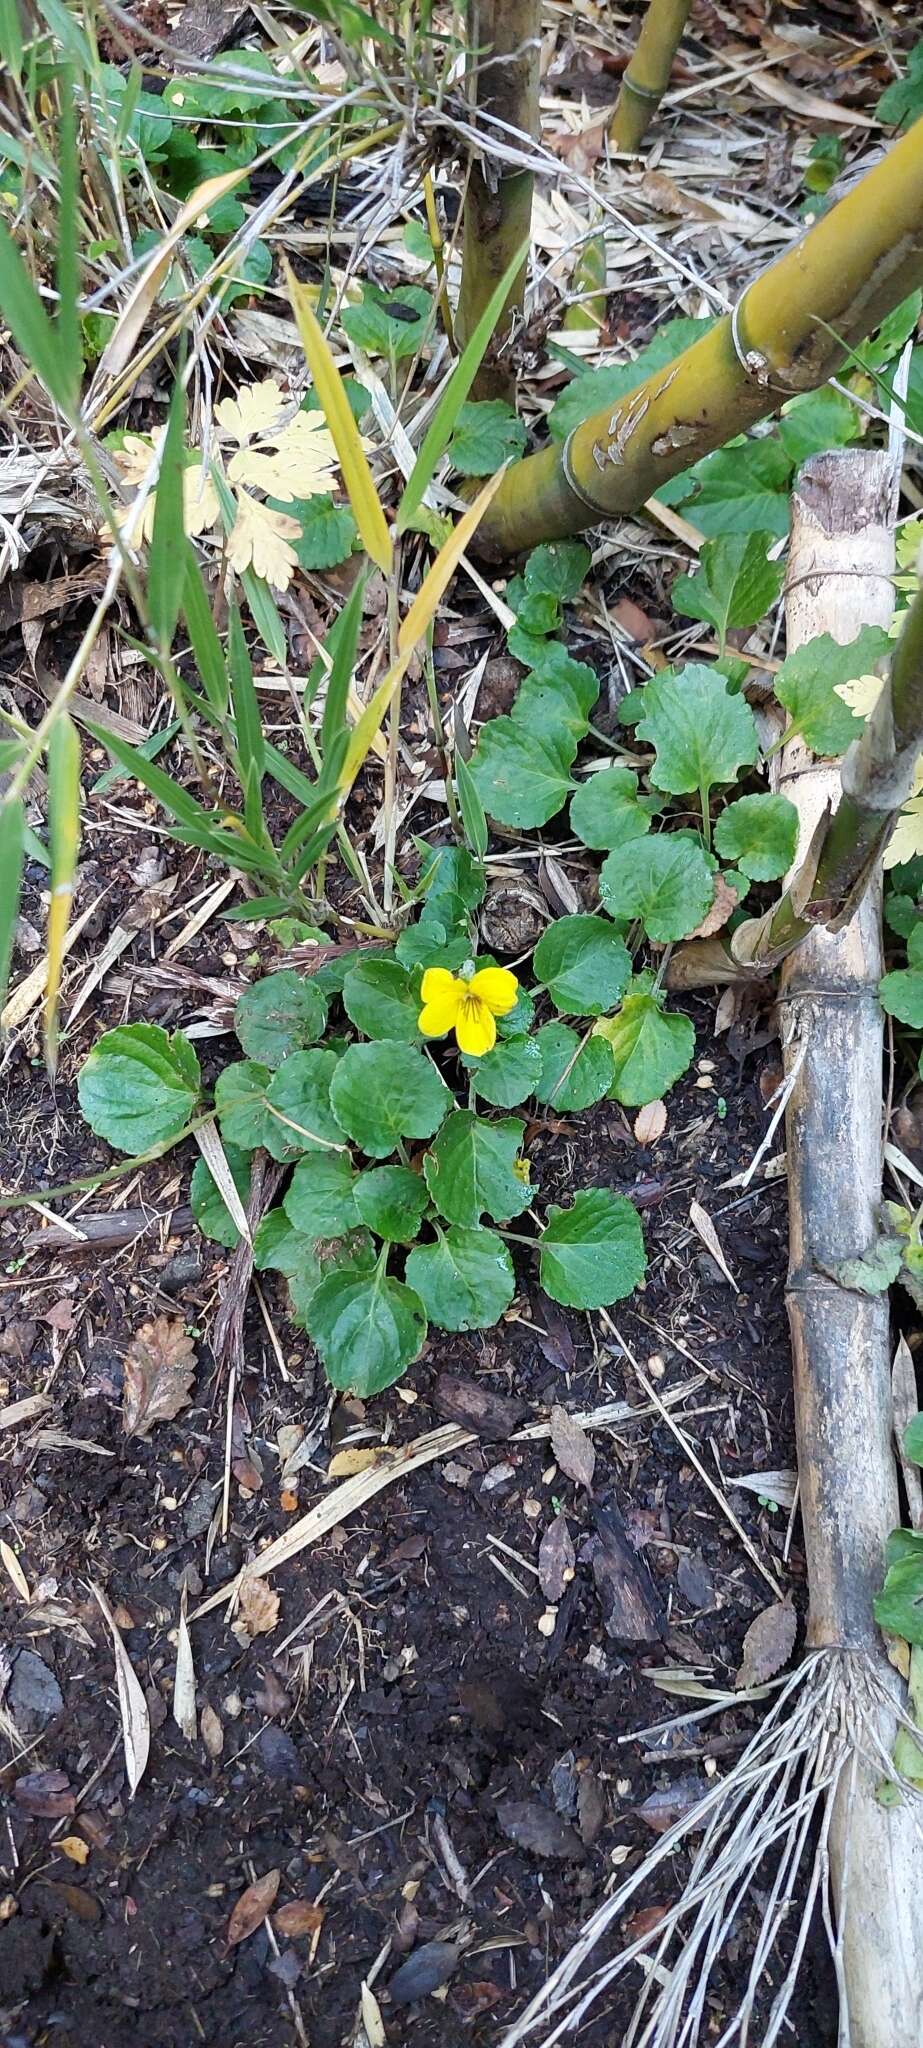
[800, 1815]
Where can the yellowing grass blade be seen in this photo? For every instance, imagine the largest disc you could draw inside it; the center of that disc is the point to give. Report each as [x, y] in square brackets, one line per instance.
[418, 619]
[124, 339]
[423, 609]
[64, 841]
[328, 384]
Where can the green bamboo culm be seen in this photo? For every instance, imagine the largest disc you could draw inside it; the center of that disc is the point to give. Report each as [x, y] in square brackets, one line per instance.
[785, 336]
[504, 50]
[648, 73]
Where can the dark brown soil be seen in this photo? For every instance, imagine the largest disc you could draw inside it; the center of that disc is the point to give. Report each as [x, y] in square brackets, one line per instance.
[418, 1692]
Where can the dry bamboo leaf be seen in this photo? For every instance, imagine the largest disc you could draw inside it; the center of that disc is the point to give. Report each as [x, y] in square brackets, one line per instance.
[251, 1908]
[650, 1122]
[211, 1730]
[159, 1368]
[15, 1571]
[572, 1448]
[184, 1709]
[298, 1916]
[123, 341]
[372, 2021]
[208, 1139]
[75, 1848]
[768, 1644]
[906, 1404]
[556, 1559]
[778, 1486]
[702, 1223]
[136, 1721]
[259, 1606]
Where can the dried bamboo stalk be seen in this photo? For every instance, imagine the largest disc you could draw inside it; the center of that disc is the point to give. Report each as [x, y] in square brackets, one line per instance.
[795, 1829]
[841, 560]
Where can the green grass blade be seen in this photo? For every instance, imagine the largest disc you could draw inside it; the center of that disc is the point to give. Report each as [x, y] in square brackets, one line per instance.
[64, 845]
[341, 644]
[11, 43]
[440, 429]
[251, 749]
[32, 331]
[203, 635]
[181, 806]
[166, 572]
[12, 857]
[471, 807]
[68, 259]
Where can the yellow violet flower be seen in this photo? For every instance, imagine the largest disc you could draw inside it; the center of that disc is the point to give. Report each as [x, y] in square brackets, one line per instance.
[467, 1004]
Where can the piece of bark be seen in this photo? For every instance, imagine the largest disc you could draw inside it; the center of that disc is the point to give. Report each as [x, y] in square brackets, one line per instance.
[102, 1232]
[632, 1610]
[472, 1406]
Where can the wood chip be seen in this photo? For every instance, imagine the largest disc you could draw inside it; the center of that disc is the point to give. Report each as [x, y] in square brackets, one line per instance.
[555, 1559]
[631, 1609]
[572, 1448]
[15, 1571]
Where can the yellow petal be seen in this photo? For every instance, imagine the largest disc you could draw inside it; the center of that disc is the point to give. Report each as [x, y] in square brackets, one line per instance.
[496, 987]
[437, 981]
[437, 1018]
[475, 1029]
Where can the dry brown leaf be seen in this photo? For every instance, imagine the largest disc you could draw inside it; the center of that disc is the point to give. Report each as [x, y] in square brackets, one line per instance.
[725, 901]
[298, 1916]
[252, 1907]
[701, 1222]
[184, 1710]
[74, 1847]
[159, 1368]
[555, 1559]
[345, 1464]
[259, 1606]
[211, 1729]
[768, 1644]
[650, 1122]
[572, 1448]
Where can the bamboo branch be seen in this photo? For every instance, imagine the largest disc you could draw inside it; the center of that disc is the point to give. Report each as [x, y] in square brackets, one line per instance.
[648, 74]
[845, 275]
[504, 51]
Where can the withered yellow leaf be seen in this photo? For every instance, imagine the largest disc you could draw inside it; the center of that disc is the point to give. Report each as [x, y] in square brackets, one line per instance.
[259, 539]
